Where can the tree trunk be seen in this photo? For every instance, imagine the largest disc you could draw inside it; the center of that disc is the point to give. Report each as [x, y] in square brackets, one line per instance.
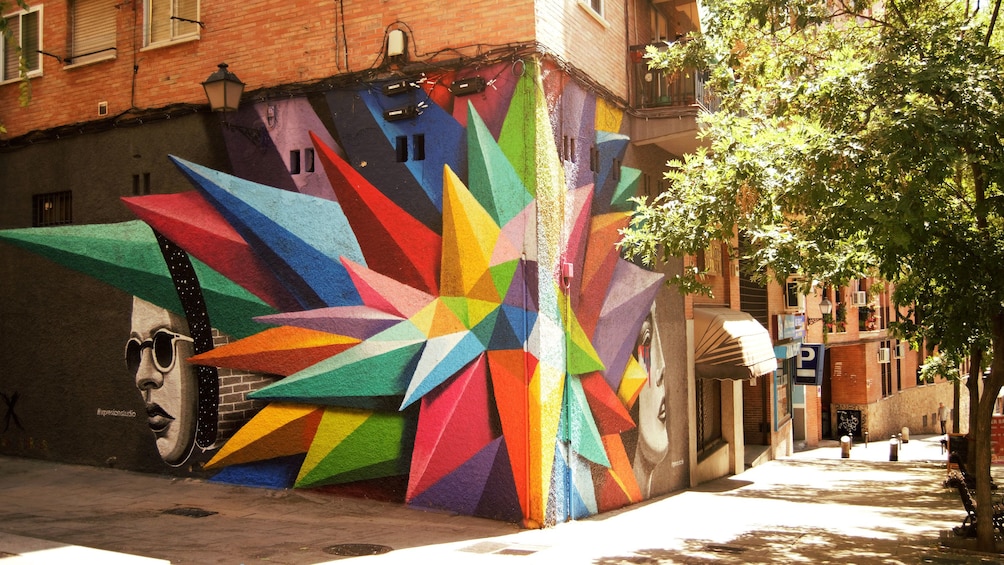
[979, 440]
[973, 388]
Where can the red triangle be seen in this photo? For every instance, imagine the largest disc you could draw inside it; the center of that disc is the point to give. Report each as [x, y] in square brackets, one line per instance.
[608, 411]
[453, 426]
[189, 220]
[393, 242]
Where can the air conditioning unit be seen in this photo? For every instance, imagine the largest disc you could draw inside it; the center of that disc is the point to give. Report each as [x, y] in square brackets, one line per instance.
[859, 298]
[901, 349]
[883, 355]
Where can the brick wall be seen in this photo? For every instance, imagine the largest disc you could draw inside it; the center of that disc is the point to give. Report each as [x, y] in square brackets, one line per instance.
[235, 407]
[264, 44]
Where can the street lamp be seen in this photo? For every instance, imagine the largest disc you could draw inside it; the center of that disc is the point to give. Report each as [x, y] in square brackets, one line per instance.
[825, 307]
[223, 89]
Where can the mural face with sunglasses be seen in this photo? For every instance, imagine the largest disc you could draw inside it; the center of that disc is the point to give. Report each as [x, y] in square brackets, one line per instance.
[155, 355]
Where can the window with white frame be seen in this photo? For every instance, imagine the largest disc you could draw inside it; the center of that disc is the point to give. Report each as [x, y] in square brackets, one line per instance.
[92, 30]
[170, 20]
[22, 47]
[597, 6]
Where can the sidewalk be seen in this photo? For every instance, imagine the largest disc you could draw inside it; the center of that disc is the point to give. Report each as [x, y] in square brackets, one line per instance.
[812, 507]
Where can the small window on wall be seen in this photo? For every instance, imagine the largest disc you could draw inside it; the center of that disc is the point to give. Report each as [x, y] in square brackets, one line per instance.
[793, 299]
[52, 209]
[25, 40]
[166, 21]
[596, 6]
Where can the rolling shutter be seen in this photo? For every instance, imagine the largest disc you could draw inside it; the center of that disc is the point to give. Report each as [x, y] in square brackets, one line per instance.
[93, 27]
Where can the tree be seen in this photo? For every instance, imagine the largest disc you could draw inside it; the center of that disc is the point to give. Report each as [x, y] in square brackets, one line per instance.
[6, 35]
[854, 139]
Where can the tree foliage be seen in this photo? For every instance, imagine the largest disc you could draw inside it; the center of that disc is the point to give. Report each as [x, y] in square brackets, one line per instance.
[855, 138]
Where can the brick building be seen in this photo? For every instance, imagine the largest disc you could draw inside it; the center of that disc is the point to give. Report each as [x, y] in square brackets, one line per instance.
[390, 269]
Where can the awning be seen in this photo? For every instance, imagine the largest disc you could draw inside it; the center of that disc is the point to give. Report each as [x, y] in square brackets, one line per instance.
[730, 344]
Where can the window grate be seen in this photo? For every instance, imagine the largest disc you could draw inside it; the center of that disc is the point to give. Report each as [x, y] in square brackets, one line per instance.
[52, 209]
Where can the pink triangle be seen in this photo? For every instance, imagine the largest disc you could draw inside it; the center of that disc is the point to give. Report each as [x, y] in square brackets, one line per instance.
[384, 293]
[453, 425]
[189, 220]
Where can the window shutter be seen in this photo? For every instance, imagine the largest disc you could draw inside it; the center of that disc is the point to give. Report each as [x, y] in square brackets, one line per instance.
[188, 9]
[94, 23]
[30, 39]
[9, 71]
[159, 21]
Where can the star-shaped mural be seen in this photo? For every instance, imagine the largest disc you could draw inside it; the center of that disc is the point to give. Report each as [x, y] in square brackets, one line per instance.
[486, 356]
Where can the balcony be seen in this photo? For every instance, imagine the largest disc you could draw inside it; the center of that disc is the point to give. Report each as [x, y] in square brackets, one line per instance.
[665, 105]
[655, 88]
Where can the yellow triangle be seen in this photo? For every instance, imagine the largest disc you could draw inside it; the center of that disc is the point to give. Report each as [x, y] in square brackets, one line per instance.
[608, 116]
[634, 379]
[546, 393]
[469, 236]
[260, 434]
[485, 289]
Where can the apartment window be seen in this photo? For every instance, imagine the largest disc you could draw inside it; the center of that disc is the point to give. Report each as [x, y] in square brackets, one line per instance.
[596, 6]
[51, 209]
[26, 40]
[171, 20]
[92, 30]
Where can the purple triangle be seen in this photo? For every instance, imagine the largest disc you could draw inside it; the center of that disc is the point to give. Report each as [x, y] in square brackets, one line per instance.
[523, 288]
[500, 500]
[462, 489]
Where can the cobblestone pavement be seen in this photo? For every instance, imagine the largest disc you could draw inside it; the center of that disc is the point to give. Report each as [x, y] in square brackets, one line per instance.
[813, 507]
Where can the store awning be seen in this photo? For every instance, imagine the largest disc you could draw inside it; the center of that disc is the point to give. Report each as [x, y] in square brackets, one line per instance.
[730, 344]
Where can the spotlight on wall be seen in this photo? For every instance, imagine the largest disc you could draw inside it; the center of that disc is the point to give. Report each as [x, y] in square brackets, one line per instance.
[402, 113]
[398, 87]
[468, 86]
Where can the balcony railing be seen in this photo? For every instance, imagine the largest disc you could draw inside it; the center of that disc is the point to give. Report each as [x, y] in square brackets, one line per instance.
[655, 88]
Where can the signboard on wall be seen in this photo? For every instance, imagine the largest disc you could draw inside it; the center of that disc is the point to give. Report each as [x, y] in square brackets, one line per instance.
[790, 326]
[810, 364]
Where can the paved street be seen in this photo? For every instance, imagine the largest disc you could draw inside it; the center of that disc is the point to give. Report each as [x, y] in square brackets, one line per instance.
[814, 507]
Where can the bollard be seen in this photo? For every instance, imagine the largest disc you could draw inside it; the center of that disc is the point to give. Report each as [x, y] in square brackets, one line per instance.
[905, 432]
[866, 439]
[893, 448]
[845, 447]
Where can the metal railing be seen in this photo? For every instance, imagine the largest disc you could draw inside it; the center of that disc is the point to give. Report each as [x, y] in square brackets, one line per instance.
[655, 88]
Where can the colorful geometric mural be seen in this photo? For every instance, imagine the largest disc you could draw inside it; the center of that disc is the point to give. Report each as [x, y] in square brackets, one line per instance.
[463, 320]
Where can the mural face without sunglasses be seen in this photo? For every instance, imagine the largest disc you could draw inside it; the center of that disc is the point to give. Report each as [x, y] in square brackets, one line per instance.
[155, 357]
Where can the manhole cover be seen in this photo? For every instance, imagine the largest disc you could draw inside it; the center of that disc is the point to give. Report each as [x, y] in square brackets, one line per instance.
[190, 512]
[357, 549]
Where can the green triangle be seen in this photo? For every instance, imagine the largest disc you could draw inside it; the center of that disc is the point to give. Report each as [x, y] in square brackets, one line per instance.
[377, 448]
[584, 436]
[503, 274]
[370, 368]
[516, 139]
[458, 305]
[627, 187]
[126, 256]
[491, 177]
[582, 356]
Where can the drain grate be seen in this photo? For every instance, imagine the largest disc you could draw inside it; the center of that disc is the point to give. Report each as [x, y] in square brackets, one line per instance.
[357, 549]
[189, 511]
[723, 548]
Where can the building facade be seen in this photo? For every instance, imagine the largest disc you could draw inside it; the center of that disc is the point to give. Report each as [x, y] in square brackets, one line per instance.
[391, 269]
